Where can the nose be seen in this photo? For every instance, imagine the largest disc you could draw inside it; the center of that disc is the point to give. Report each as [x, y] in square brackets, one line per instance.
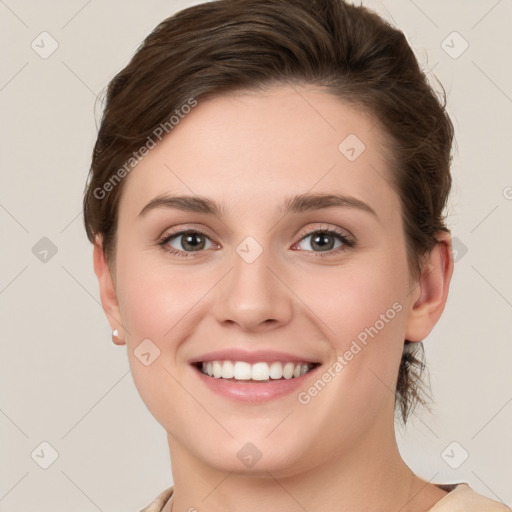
[253, 295]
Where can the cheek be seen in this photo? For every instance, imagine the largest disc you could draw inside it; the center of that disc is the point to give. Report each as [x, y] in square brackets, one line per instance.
[354, 299]
[154, 297]
[361, 308]
[159, 306]
[166, 304]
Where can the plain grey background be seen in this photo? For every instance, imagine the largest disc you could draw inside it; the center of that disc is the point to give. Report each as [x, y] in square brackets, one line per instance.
[62, 380]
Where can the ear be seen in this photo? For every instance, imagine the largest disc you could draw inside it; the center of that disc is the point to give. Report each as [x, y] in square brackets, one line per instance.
[108, 292]
[431, 291]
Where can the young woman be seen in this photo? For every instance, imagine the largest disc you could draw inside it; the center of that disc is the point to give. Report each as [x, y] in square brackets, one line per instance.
[266, 205]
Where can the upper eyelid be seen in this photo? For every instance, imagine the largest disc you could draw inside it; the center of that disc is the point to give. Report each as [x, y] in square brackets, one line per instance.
[334, 231]
[169, 234]
[346, 238]
[203, 231]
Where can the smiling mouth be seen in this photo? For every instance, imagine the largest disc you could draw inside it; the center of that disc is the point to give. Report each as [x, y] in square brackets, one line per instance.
[262, 372]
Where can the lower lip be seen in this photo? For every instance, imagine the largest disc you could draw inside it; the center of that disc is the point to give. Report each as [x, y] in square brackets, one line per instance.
[254, 392]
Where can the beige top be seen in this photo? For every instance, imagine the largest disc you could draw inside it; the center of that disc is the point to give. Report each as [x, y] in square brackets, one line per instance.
[460, 498]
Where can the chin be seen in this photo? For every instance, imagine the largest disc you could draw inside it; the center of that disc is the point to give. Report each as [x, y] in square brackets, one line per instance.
[260, 456]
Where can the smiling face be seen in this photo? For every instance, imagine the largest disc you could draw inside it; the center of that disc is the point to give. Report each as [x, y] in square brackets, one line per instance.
[312, 280]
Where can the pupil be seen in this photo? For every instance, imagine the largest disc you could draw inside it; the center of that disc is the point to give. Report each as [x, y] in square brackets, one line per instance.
[193, 240]
[323, 240]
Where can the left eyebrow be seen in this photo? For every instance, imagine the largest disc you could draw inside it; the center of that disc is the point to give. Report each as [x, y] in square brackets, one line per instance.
[296, 204]
[309, 202]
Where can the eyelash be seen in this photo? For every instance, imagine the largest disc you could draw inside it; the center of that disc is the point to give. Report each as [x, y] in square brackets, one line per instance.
[348, 242]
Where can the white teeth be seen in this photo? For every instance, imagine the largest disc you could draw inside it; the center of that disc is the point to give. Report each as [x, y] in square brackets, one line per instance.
[260, 371]
[288, 370]
[228, 370]
[217, 369]
[241, 370]
[276, 371]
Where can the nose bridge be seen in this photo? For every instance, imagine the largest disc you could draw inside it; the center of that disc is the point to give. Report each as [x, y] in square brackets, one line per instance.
[251, 295]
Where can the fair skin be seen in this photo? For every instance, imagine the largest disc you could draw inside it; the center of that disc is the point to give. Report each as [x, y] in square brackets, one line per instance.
[248, 153]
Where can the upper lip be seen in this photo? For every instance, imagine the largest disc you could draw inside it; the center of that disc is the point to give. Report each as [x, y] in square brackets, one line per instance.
[257, 356]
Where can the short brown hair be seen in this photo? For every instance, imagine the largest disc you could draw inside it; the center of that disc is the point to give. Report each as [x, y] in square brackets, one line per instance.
[228, 45]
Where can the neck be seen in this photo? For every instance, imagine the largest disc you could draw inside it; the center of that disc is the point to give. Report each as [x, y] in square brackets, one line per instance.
[371, 476]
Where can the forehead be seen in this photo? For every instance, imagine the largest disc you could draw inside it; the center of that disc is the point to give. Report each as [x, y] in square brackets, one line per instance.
[256, 147]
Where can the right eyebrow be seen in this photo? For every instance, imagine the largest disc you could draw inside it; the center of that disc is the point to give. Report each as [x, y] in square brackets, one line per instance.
[196, 204]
